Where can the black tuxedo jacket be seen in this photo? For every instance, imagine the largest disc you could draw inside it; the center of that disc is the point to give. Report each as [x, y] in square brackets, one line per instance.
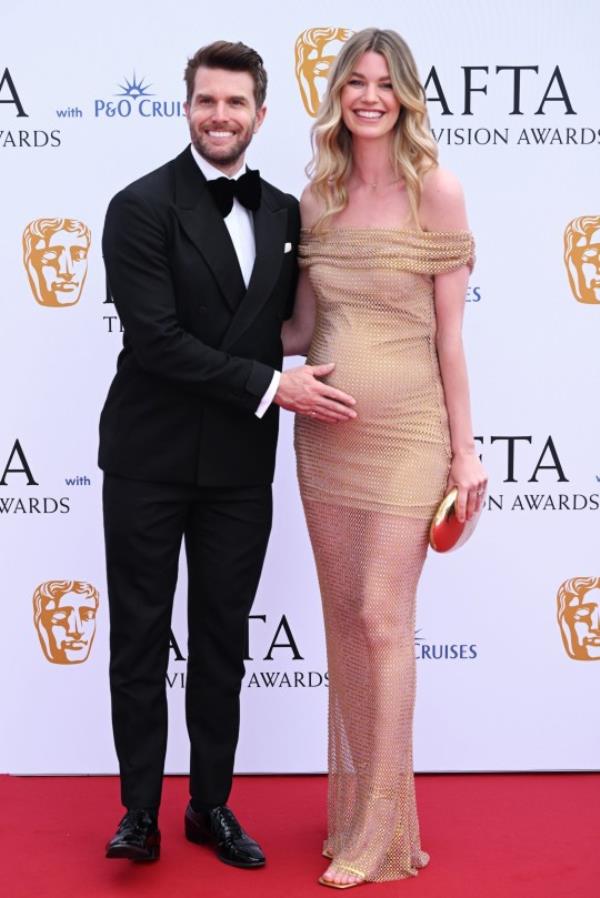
[199, 350]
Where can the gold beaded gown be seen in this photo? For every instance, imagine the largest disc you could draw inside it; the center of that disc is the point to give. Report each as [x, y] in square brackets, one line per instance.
[369, 488]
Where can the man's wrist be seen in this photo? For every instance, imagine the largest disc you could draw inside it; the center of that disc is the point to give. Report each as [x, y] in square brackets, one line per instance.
[269, 395]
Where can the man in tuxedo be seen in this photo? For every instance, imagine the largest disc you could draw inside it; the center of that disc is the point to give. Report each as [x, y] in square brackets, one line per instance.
[201, 264]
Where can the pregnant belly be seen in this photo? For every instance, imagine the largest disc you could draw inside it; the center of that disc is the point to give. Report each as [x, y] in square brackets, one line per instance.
[384, 376]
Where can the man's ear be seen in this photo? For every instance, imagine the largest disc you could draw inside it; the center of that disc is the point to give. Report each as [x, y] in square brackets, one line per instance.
[260, 117]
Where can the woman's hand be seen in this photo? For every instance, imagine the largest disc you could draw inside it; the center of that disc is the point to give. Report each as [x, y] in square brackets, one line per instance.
[468, 474]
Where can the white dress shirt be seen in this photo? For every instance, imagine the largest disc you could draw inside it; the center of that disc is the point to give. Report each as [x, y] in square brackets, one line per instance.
[240, 225]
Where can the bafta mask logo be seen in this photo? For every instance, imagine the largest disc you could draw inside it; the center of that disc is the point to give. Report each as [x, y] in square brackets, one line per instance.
[55, 252]
[578, 603]
[64, 614]
[316, 49]
[582, 257]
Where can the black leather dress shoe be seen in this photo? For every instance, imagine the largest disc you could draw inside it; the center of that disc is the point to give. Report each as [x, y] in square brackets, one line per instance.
[219, 827]
[137, 838]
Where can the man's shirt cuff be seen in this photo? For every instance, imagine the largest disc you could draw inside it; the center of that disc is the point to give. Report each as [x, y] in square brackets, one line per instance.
[267, 399]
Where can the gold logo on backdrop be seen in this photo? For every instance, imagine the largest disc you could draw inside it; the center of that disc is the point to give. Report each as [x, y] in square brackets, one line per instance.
[578, 603]
[55, 252]
[316, 49]
[64, 614]
[582, 257]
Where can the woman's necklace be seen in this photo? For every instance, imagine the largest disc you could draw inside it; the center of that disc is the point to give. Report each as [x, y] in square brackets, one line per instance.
[374, 184]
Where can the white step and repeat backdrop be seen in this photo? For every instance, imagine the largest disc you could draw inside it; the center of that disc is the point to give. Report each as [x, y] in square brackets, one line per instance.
[509, 626]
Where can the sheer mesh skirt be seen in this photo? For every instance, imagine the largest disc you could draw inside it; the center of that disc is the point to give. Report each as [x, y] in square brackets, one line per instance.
[369, 564]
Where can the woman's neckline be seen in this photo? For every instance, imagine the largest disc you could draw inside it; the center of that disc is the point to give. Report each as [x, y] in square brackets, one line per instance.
[349, 228]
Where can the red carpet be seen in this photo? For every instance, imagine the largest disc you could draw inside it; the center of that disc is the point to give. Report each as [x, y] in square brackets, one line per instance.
[493, 836]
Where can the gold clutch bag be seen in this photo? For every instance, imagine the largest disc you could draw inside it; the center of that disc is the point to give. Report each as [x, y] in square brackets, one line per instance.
[446, 531]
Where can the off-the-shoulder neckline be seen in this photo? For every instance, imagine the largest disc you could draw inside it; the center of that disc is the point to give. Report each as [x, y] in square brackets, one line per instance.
[420, 232]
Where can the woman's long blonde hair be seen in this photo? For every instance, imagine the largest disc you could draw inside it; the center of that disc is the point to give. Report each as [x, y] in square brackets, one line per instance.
[413, 150]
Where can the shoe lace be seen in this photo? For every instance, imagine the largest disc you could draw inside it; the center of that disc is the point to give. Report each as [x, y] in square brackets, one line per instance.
[135, 820]
[228, 823]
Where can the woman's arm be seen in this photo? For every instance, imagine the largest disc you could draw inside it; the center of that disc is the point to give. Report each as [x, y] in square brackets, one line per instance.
[297, 331]
[300, 389]
[443, 209]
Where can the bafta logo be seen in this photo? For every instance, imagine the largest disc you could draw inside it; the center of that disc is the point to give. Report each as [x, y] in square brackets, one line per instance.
[316, 49]
[55, 252]
[64, 614]
[578, 603]
[582, 257]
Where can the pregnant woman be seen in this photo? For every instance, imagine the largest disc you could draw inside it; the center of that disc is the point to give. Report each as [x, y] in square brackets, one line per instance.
[386, 254]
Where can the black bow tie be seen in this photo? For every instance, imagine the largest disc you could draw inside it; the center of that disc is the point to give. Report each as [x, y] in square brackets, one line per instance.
[246, 189]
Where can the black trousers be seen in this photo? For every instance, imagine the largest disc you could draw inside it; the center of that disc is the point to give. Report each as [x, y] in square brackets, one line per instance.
[226, 531]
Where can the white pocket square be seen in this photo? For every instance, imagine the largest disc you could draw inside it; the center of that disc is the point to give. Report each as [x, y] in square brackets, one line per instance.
[287, 247]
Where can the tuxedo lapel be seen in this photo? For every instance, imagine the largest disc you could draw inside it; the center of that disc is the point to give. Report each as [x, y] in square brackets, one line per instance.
[269, 233]
[205, 227]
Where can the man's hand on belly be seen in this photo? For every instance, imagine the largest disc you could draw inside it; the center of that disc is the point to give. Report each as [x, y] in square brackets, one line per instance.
[301, 391]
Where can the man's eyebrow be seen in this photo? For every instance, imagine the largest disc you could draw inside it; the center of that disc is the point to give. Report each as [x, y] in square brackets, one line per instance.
[238, 97]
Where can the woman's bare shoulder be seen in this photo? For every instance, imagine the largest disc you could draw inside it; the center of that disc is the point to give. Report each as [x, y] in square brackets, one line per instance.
[442, 202]
[311, 206]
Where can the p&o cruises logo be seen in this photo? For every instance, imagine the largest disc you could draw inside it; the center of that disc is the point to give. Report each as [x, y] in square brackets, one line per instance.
[135, 99]
[444, 651]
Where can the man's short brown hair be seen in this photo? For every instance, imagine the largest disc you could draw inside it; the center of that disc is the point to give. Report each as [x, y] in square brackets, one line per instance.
[232, 57]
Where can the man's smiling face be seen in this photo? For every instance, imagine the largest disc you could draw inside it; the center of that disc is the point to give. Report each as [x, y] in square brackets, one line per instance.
[222, 116]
